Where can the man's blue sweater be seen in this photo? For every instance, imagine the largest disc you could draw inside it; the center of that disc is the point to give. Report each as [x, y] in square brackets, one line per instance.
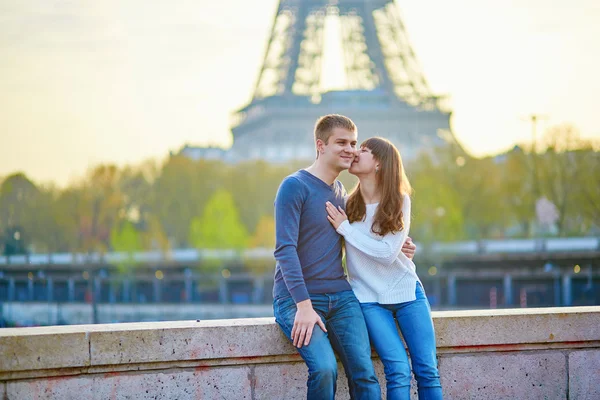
[308, 250]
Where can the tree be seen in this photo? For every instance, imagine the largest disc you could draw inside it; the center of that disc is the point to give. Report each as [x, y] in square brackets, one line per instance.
[126, 239]
[181, 191]
[50, 233]
[558, 168]
[18, 200]
[517, 188]
[100, 207]
[264, 236]
[219, 226]
[436, 208]
[588, 187]
[253, 186]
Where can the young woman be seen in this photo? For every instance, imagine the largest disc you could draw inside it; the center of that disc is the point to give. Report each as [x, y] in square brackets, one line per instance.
[374, 226]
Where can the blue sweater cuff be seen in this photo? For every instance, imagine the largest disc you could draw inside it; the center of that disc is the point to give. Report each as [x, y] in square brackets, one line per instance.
[299, 294]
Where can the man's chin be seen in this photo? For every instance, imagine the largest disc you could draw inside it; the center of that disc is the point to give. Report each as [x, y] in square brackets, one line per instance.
[346, 163]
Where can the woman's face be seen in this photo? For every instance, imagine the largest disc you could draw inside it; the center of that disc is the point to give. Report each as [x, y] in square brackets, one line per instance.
[364, 163]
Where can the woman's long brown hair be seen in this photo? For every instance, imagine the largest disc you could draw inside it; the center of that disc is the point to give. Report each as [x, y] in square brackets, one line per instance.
[392, 184]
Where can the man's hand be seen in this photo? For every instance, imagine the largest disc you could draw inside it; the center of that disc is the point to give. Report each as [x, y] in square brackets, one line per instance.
[409, 248]
[304, 323]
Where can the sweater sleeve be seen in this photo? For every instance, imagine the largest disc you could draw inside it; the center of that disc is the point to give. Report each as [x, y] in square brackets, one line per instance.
[288, 207]
[383, 251]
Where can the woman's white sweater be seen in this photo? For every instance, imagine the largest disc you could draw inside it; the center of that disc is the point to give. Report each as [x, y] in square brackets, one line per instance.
[378, 270]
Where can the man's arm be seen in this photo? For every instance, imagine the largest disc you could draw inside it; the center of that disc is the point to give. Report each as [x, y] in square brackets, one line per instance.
[288, 207]
[409, 248]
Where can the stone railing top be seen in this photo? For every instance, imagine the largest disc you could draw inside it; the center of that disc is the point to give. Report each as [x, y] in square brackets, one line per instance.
[139, 345]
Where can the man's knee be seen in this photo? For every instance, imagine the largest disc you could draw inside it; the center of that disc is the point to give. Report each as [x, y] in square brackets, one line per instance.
[325, 371]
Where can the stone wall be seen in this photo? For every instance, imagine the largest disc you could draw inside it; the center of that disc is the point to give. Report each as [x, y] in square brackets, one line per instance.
[551, 353]
[38, 313]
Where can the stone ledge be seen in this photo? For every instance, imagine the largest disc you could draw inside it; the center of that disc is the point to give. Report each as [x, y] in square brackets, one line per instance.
[79, 349]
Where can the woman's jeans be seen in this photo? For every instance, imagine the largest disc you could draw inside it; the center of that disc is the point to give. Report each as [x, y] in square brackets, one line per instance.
[346, 334]
[414, 319]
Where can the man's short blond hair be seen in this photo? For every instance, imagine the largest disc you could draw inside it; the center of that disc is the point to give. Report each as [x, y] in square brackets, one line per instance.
[325, 125]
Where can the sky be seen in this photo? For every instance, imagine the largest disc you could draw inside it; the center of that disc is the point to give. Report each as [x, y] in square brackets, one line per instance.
[86, 82]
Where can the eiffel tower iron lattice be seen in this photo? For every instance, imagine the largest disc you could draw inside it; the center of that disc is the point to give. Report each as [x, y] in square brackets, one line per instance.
[385, 91]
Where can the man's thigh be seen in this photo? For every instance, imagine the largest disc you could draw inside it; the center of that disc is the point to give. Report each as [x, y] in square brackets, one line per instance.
[348, 331]
[319, 351]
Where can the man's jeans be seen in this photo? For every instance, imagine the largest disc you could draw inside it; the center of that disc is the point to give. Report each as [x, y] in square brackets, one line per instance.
[414, 319]
[346, 334]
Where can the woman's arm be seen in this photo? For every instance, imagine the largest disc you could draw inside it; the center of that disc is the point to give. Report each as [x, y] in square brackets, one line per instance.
[384, 251]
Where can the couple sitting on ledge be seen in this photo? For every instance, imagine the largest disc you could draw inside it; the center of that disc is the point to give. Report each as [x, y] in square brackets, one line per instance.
[321, 310]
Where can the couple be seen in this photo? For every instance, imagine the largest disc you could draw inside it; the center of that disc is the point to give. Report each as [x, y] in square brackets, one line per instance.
[316, 306]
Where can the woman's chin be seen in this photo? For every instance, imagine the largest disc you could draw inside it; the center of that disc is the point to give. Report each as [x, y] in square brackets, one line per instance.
[352, 170]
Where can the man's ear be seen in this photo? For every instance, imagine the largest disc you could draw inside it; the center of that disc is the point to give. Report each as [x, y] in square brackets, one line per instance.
[320, 146]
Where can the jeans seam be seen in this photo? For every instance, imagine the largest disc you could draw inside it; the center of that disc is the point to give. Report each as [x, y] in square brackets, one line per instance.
[345, 361]
[283, 320]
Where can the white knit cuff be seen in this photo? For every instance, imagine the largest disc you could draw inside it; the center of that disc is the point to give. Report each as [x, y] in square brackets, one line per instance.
[345, 228]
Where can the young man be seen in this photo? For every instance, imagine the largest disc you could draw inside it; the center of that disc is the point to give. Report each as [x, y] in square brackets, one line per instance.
[310, 285]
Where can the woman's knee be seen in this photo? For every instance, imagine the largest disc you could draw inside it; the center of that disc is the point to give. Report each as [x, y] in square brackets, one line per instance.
[427, 376]
[398, 374]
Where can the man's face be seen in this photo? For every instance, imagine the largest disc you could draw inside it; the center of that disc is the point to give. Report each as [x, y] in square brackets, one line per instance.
[340, 150]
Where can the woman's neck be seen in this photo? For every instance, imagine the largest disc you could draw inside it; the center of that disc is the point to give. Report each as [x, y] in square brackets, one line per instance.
[369, 191]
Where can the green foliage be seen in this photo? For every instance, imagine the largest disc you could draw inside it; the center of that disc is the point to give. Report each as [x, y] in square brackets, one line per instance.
[125, 239]
[264, 236]
[219, 226]
[212, 205]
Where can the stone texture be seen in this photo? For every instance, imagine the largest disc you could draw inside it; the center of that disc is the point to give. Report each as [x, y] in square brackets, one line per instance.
[202, 383]
[187, 340]
[281, 380]
[288, 381]
[500, 354]
[516, 326]
[525, 375]
[43, 348]
[584, 374]
[64, 388]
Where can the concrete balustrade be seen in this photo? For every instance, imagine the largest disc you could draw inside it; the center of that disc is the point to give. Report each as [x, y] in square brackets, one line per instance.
[551, 353]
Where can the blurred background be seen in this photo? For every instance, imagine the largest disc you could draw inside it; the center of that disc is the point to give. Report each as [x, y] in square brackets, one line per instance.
[142, 144]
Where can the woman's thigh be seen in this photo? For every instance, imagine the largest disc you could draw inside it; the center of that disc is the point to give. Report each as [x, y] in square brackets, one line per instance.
[416, 325]
[383, 333]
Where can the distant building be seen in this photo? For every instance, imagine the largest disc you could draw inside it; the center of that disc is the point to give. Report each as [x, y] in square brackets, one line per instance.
[203, 153]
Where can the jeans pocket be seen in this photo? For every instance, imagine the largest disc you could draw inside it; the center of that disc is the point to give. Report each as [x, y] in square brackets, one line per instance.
[284, 310]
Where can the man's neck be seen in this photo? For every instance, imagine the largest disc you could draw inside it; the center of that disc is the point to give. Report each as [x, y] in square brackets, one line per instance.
[323, 172]
[369, 191]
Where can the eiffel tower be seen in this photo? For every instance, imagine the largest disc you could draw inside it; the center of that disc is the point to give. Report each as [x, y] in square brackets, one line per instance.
[385, 92]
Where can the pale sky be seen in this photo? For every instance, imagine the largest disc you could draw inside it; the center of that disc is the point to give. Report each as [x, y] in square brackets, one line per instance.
[89, 82]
